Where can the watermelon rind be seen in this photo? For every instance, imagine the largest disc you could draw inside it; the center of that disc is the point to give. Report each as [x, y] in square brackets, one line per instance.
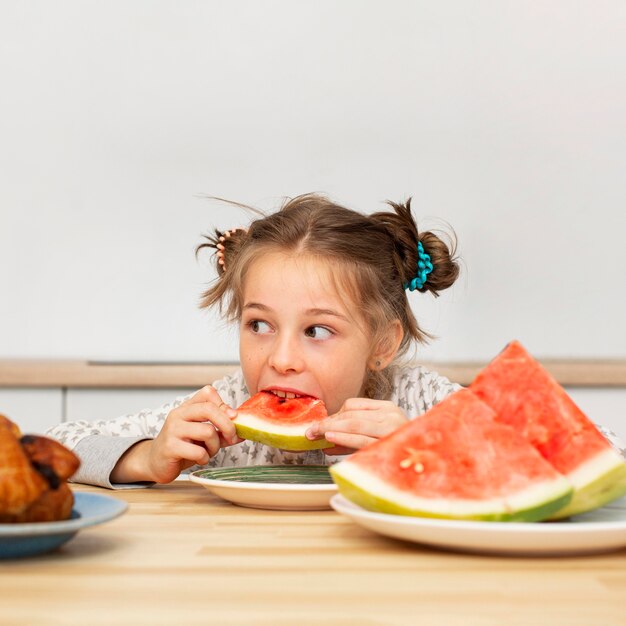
[284, 437]
[597, 482]
[529, 505]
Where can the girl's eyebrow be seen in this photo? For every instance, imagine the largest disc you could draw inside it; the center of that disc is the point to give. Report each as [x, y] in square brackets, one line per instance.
[257, 305]
[327, 312]
[264, 307]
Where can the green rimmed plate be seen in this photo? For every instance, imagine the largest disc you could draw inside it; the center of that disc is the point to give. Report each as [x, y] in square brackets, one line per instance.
[279, 487]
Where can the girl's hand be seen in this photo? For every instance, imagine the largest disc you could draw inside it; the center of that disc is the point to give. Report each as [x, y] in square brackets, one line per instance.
[192, 434]
[359, 422]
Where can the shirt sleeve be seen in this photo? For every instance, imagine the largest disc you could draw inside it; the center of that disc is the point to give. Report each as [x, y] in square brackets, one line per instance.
[98, 456]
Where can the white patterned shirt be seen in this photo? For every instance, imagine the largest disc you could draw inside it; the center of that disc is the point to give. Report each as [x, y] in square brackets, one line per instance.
[100, 444]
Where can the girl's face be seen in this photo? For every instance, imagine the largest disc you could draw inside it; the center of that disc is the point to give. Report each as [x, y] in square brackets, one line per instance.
[297, 335]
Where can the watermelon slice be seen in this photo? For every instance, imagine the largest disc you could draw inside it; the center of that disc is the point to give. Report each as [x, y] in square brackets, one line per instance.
[525, 396]
[457, 462]
[280, 422]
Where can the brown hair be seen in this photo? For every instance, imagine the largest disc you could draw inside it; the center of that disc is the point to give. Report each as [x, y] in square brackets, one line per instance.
[377, 252]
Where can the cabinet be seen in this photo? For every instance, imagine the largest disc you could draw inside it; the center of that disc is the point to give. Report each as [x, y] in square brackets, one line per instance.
[34, 410]
[603, 405]
[100, 404]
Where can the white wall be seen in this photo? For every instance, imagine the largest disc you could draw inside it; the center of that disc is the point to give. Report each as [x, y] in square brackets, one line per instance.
[507, 119]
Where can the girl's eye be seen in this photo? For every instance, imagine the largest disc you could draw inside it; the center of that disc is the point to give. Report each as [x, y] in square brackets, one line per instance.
[259, 327]
[318, 332]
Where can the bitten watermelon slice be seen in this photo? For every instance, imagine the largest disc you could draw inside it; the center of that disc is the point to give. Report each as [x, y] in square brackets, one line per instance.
[457, 462]
[280, 422]
[526, 397]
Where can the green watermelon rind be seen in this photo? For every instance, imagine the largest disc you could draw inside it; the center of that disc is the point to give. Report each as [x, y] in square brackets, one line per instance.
[603, 487]
[278, 440]
[372, 502]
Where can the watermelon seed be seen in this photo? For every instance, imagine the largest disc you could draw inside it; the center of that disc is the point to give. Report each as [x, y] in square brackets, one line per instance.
[412, 461]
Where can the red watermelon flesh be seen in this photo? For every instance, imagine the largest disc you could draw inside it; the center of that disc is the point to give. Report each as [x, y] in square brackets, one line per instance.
[455, 461]
[526, 397]
[280, 422]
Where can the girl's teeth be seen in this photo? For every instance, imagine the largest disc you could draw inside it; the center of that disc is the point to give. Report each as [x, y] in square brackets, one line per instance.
[284, 394]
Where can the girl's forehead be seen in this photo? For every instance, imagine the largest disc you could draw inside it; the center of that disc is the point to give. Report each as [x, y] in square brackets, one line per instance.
[281, 275]
[276, 269]
[274, 261]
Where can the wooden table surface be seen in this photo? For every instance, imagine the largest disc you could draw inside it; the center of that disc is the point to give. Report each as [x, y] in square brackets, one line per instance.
[181, 556]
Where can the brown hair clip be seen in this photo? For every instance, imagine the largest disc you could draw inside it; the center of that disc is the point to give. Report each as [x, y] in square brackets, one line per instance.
[220, 246]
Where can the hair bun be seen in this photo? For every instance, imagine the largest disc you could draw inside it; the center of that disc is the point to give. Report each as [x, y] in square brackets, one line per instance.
[442, 256]
[402, 228]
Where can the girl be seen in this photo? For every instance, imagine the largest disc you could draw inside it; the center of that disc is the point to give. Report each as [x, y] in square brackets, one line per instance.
[320, 295]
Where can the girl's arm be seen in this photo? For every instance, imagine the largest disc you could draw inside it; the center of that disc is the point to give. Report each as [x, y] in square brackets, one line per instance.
[158, 446]
[119, 449]
[192, 434]
[101, 444]
[145, 424]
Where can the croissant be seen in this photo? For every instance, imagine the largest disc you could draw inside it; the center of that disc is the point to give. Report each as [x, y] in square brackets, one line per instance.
[33, 471]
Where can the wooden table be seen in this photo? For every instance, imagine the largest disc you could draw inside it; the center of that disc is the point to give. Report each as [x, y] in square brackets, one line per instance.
[182, 556]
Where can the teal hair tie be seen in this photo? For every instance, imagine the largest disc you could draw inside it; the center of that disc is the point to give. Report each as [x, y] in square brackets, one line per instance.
[424, 267]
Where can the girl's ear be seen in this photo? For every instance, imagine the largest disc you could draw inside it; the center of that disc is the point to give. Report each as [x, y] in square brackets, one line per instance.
[387, 347]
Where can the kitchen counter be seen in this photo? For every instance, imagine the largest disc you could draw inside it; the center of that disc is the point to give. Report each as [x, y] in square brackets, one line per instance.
[92, 374]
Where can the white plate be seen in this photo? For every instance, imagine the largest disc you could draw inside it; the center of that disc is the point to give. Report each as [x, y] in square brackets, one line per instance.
[601, 530]
[281, 487]
[90, 509]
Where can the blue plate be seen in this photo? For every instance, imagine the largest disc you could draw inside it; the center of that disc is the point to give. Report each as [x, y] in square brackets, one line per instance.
[90, 509]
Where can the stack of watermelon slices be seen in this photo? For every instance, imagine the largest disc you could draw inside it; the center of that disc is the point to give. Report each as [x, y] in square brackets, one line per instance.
[512, 447]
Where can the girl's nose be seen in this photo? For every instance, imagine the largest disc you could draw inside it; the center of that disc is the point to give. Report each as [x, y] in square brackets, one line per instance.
[286, 355]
